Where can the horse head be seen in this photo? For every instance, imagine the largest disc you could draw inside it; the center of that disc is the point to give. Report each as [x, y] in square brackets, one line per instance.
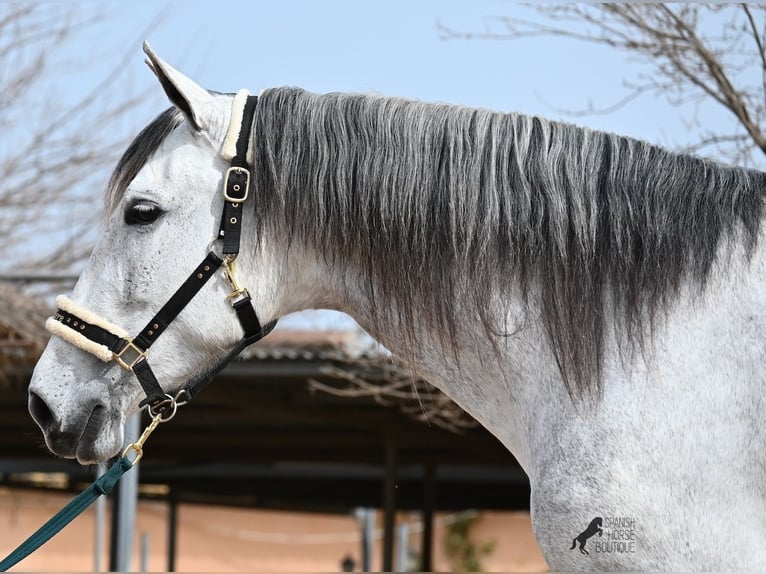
[163, 215]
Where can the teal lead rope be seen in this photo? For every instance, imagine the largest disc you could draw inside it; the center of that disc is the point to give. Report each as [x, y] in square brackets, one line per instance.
[103, 485]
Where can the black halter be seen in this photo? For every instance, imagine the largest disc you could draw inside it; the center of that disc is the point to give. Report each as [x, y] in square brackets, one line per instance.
[131, 354]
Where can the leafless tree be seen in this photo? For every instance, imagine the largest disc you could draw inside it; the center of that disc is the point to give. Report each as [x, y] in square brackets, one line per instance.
[55, 149]
[391, 384]
[694, 52]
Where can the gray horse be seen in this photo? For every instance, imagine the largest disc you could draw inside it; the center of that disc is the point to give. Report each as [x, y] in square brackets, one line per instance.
[596, 302]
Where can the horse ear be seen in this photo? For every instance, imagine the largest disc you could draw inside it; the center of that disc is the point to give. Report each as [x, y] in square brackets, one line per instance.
[185, 94]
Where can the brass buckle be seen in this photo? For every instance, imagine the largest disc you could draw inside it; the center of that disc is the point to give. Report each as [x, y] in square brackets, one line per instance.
[129, 362]
[236, 170]
[236, 296]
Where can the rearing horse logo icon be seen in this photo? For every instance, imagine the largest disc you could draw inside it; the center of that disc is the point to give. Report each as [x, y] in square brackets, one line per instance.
[593, 528]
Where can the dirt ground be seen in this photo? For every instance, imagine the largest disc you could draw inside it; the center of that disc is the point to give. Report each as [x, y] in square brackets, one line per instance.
[220, 539]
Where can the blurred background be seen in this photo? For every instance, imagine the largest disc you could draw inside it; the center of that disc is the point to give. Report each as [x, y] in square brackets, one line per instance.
[317, 451]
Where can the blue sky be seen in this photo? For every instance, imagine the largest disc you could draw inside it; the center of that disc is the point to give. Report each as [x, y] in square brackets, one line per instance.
[392, 47]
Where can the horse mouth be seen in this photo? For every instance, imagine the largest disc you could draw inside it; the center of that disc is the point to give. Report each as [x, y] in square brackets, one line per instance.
[86, 451]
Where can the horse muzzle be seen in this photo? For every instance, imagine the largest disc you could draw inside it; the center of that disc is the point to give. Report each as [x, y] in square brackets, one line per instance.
[83, 432]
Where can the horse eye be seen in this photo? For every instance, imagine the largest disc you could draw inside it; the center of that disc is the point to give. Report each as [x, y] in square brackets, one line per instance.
[142, 213]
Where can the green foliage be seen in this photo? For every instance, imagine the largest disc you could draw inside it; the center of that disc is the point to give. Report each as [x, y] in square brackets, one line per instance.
[465, 555]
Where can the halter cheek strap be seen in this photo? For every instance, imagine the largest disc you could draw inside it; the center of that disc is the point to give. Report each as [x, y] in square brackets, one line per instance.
[95, 335]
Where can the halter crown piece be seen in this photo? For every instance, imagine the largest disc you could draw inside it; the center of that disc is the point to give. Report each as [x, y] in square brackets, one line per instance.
[94, 334]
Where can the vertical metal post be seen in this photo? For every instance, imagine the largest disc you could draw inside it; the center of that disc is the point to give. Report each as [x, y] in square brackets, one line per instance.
[389, 505]
[126, 504]
[99, 522]
[172, 532]
[429, 503]
[144, 552]
[366, 520]
[369, 538]
[113, 531]
[403, 547]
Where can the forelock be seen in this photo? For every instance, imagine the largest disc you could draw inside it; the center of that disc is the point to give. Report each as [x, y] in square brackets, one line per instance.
[138, 153]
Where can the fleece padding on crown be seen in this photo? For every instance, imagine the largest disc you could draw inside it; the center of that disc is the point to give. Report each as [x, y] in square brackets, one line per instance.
[77, 339]
[229, 149]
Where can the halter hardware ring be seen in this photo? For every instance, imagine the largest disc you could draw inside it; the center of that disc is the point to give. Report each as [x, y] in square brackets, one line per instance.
[129, 362]
[236, 171]
[169, 408]
[182, 397]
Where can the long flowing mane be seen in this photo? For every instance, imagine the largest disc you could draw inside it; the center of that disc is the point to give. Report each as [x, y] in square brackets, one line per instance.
[437, 203]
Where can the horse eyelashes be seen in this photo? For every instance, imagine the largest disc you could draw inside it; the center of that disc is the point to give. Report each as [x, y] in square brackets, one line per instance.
[142, 213]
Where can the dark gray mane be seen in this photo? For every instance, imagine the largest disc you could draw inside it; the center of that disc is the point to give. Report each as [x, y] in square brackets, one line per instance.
[434, 203]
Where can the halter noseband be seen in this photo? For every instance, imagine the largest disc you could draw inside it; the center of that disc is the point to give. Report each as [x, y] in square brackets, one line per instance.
[94, 334]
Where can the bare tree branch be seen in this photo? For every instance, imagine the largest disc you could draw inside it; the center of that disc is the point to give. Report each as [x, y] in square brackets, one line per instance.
[58, 150]
[393, 385]
[697, 53]
[758, 42]
[593, 110]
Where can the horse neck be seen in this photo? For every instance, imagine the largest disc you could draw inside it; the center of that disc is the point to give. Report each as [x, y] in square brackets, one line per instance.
[708, 338]
[497, 382]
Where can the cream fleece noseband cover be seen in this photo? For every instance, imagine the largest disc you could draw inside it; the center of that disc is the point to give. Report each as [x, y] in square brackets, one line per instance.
[70, 327]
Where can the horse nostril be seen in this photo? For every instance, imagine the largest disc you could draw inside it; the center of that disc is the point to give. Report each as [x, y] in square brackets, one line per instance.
[40, 412]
